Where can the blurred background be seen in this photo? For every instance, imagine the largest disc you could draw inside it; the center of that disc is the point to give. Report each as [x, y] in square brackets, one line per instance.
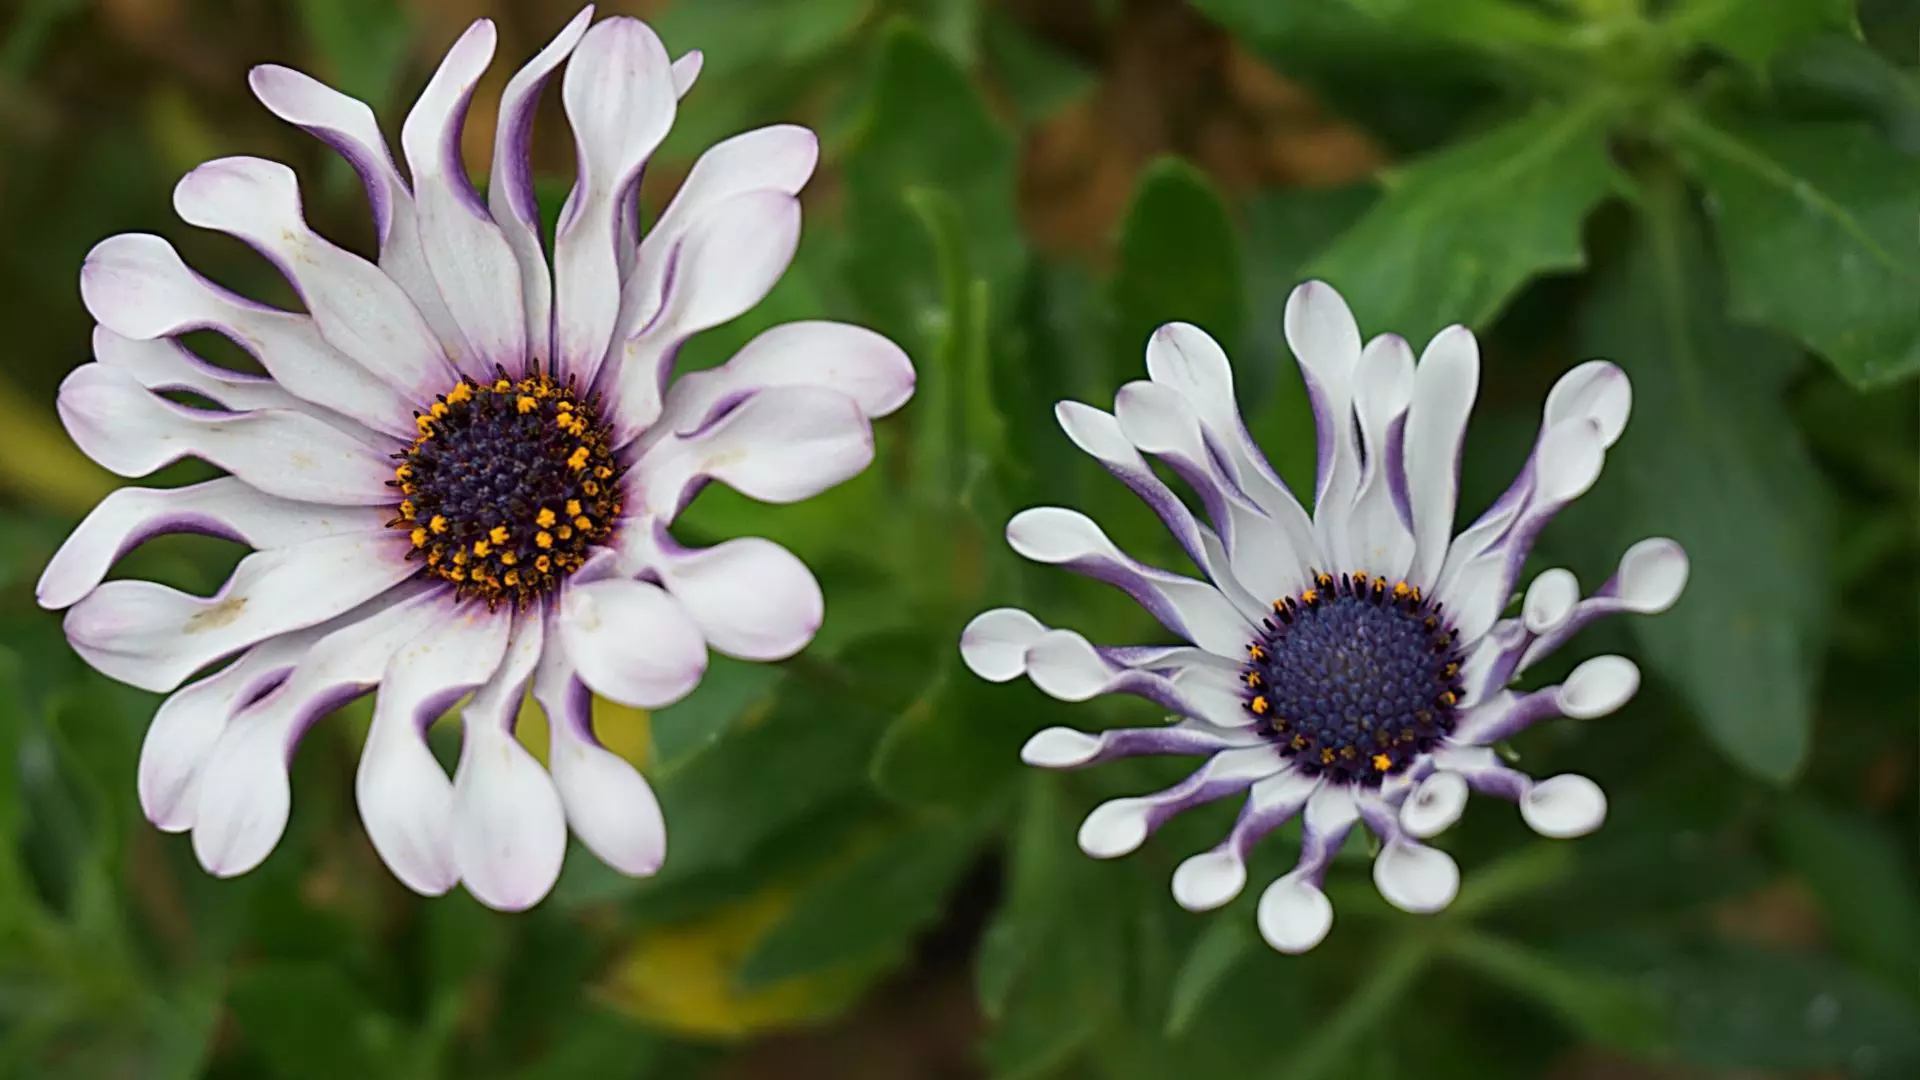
[1722, 196]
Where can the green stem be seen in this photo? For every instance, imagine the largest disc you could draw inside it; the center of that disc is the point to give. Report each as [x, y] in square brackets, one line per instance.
[1362, 1012]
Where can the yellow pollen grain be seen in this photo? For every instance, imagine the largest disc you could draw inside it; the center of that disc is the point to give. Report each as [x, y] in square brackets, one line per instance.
[543, 564]
[573, 507]
[543, 540]
[1401, 589]
[498, 534]
[459, 558]
[419, 537]
[456, 574]
[508, 558]
[512, 577]
[463, 392]
[501, 386]
[545, 518]
[590, 488]
[1309, 596]
[603, 472]
[406, 508]
[525, 404]
[583, 523]
[578, 459]
[438, 523]
[481, 548]
[1381, 762]
[439, 409]
[1258, 705]
[424, 423]
[564, 532]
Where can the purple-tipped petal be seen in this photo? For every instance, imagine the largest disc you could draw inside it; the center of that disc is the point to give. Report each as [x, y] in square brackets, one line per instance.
[780, 445]
[1213, 878]
[1444, 387]
[1414, 877]
[1119, 826]
[1065, 748]
[1376, 529]
[751, 598]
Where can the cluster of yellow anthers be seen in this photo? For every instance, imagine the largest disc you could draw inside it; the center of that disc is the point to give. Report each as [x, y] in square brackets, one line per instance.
[506, 486]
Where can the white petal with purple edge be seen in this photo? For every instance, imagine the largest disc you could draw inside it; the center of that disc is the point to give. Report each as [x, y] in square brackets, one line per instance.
[510, 191]
[358, 308]
[132, 431]
[405, 797]
[631, 641]
[1595, 390]
[994, 645]
[609, 804]
[509, 829]
[163, 364]
[779, 446]
[1444, 387]
[1434, 806]
[1294, 915]
[1598, 686]
[1377, 538]
[224, 507]
[1550, 599]
[848, 359]
[1563, 807]
[752, 598]
[153, 637]
[138, 287]
[1326, 343]
[1416, 878]
[1119, 826]
[619, 97]
[473, 265]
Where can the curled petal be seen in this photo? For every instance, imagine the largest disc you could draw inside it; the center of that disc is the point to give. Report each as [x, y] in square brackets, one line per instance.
[1651, 576]
[1213, 878]
[607, 801]
[509, 829]
[994, 645]
[1119, 826]
[1065, 748]
[164, 364]
[632, 641]
[1434, 806]
[781, 445]
[1564, 806]
[1193, 609]
[750, 597]
[1416, 878]
[1550, 599]
[1066, 666]
[1099, 434]
[133, 432]
[138, 287]
[153, 637]
[1294, 915]
[223, 507]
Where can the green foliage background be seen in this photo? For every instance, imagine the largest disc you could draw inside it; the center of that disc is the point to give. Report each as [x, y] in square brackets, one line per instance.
[1722, 196]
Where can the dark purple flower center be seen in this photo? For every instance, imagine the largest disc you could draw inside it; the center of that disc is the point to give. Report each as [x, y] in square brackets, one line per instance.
[1354, 678]
[507, 486]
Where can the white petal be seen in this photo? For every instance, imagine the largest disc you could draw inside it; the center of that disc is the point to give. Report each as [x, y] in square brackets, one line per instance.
[225, 507]
[619, 97]
[405, 798]
[1192, 609]
[153, 637]
[163, 364]
[1326, 342]
[1598, 687]
[1550, 599]
[994, 645]
[851, 360]
[632, 641]
[138, 287]
[1377, 538]
[751, 597]
[1570, 459]
[358, 308]
[133, 432]
[1596, 391]
[1294, 915]
[607, 801]
[727, 261]
[1416, 878]
[1434, 806]
[781, 445]
[509, 830]
[242, 794]
[685, 70]
[473, 265]
[1065, 748]
[1119, 826]
[1066, 666]
[1444, 387]
[1652, 575]
[1476, 597]
[1564, 806]
[510, 191]
[1099, 434]
[1212, 878]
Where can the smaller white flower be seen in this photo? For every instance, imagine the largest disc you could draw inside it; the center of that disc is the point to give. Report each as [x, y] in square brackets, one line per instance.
[1345, 667]
[460, 473]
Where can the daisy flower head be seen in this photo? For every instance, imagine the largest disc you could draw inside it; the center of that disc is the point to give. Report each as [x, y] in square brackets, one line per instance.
[459, 471]
[1348, 666]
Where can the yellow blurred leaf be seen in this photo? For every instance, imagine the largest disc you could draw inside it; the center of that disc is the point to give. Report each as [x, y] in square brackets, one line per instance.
[39, 463]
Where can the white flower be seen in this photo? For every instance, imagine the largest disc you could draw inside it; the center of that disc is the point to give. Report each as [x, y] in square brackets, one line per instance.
[459, 475]
[1349, 666]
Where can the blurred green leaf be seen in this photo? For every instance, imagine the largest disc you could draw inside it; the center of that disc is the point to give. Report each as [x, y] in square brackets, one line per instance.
[1220, 948]
[307, 1022]
[596, 1044]
[1457, 233]
[1864, 881]
[1755, 31]
[1325, 1051]
[1816, 225]
[363, 45]
[727, 692]
[925, 128]
[873, 903]
[1601, 1007]
[1845, 71]
[1712, 460]
[1041, 79]
[1051, 963]
[1179, 261]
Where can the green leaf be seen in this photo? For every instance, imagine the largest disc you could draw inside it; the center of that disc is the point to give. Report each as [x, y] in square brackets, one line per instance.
[1846, 72]
[362, 45]
[872, 904]
[728, 691]
[1179, 261]
[1458, 233]
[1864, 882]
[957, 745]
[1755, 31]
[1220, 948]
[1602, 1007]
[1041, 80]
[1712, 460]
[1816, 225]
[925, 128]
[306, 1022]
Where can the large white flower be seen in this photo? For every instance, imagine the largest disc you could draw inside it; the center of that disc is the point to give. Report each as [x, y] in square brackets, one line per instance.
[1348, 666]
[459, 476]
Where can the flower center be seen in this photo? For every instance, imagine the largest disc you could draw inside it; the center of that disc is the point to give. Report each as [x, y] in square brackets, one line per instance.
[1355, 678]
[507, 486]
